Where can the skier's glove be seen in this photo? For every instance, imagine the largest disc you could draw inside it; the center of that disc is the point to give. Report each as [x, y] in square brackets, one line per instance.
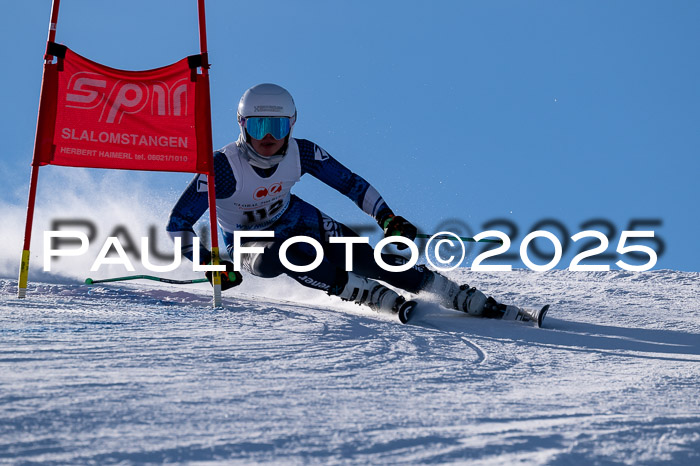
[229, 278]
[395, 225]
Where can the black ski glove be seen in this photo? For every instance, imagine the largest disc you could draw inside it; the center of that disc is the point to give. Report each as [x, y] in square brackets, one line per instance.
[395, 225]
[229, 278]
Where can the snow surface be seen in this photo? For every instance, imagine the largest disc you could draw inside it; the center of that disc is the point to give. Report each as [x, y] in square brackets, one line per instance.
[143, 372]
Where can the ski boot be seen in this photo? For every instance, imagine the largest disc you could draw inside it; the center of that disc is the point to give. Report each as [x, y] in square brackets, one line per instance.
[490, 308]
[442, 288]
[472, 301]
[453, 296]
[376, 296]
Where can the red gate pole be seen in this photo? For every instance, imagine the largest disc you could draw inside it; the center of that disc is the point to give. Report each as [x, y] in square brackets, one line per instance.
[209, 146]
[24, 262]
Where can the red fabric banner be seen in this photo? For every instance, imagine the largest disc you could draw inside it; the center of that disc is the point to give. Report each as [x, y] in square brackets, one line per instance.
[100, 117]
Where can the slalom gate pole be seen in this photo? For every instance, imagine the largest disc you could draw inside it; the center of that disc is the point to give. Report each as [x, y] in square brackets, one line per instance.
[469, 240]
[24, 261]
[90, 281]
[209, 145]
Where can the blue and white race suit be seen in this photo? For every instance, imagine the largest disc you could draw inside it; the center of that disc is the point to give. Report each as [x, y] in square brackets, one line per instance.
[251, 198]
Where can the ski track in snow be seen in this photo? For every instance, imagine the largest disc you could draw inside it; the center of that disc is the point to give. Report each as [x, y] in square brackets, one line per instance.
[143, 373]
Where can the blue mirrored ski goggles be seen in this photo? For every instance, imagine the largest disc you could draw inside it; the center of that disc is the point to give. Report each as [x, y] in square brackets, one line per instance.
[258, 127]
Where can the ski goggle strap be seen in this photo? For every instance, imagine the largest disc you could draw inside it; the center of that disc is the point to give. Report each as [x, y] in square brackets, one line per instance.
[258, 127]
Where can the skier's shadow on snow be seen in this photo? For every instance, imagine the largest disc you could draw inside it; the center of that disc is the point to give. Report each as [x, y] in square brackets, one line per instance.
[567, 335]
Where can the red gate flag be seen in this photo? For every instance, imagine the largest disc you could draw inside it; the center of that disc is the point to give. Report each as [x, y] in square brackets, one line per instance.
[94, 116]
[100, 117]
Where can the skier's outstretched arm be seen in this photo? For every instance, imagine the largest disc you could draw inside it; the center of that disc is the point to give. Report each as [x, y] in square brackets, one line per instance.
[187, 211]
[194, 202]
[319, 163]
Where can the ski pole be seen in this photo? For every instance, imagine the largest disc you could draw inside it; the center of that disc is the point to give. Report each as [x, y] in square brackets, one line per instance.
[470, 240]
[90, 281]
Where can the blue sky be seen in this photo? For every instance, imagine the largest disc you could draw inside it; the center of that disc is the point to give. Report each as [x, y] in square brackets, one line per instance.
[459, 112]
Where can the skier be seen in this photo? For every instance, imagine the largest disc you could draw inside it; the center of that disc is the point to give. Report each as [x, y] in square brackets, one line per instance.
[254, 176]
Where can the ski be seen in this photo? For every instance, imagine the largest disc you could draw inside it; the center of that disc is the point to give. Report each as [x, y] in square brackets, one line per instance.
[541, 315]
[526, 315]
[535, 316]
[405, 311]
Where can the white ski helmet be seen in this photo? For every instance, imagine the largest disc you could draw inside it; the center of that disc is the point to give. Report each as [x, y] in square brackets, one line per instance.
[264, 100]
